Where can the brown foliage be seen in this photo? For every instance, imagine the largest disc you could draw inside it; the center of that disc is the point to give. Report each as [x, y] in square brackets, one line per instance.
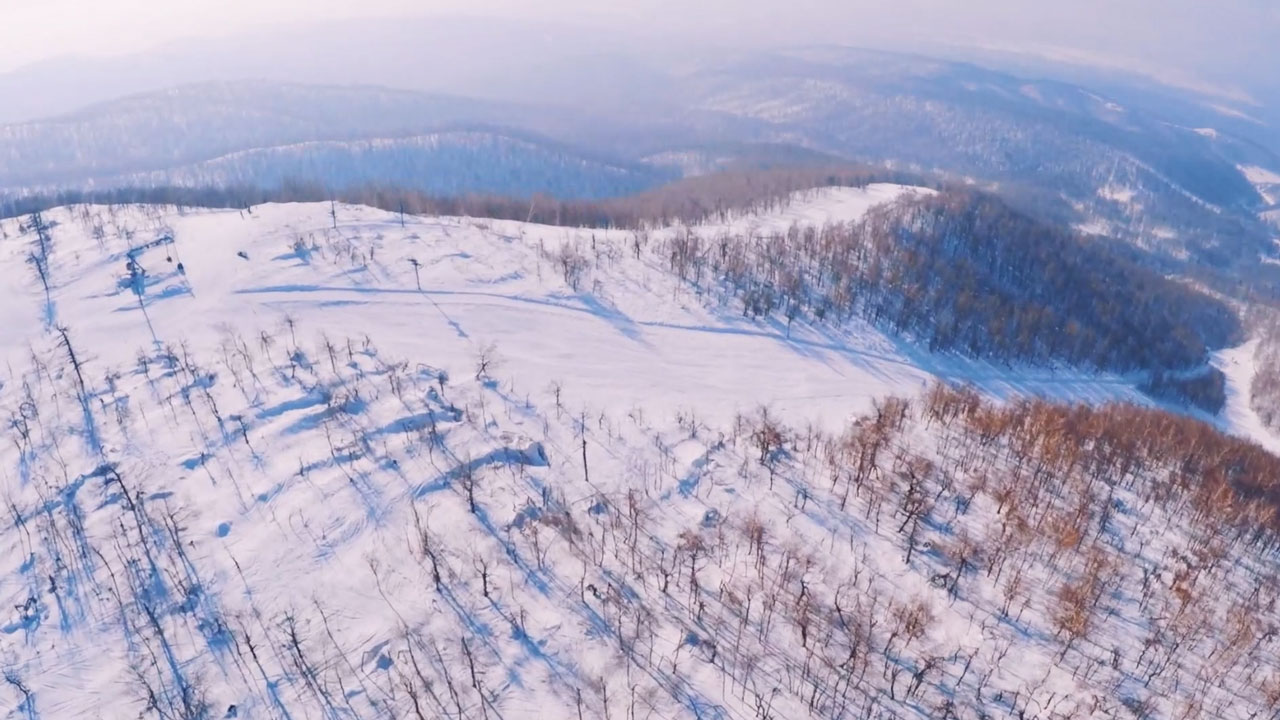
[1229, 480]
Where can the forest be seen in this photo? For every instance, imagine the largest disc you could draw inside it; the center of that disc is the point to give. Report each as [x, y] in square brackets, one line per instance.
[961, 271]
[690, 200]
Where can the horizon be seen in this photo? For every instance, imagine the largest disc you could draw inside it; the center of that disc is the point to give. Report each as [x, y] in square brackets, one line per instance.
[1187, 50]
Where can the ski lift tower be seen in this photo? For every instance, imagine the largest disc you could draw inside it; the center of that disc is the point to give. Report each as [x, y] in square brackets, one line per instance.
[138, 273]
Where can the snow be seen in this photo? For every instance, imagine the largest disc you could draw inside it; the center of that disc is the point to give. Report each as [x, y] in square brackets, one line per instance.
[483, 283]
[444, 163]
[816, 207]
[1266, 181]
[778, 101]
[298, 394]
[1096, 226]
[1239, 366]
[1234, 113]
[1117, 193]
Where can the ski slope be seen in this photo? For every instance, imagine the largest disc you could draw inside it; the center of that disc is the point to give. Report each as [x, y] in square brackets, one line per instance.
[342, 461]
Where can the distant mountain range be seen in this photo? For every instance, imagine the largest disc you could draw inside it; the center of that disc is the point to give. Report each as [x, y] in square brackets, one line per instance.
[1162, 174]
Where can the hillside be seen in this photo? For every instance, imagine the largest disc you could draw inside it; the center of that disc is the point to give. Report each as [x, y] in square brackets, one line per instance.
[324, 460]
[1062, 151]
[1187, 195]
[263, 133]
[447, 164]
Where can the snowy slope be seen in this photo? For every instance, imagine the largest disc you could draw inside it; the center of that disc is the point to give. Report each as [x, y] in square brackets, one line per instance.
[815, 207]
[487, 282]
[386, 470]
[1266, 181]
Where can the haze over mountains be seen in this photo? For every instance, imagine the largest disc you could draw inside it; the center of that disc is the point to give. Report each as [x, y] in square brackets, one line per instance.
[529, 54]
[493, 369]
[1165, 172]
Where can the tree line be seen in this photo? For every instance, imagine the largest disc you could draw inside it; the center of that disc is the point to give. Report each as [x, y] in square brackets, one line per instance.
[689, 200]
[961, 271]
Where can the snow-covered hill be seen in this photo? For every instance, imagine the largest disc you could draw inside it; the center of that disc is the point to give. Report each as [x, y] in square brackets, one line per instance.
[484, 282]
[446, 164]
[325, 461]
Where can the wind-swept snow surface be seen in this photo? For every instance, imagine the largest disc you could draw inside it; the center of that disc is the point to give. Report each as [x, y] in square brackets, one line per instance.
[324, 461]
[817, 207]
[628, 333]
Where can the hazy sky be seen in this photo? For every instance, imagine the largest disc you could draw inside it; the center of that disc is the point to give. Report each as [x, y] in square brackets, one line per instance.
[1220, 42]
[35, 30]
